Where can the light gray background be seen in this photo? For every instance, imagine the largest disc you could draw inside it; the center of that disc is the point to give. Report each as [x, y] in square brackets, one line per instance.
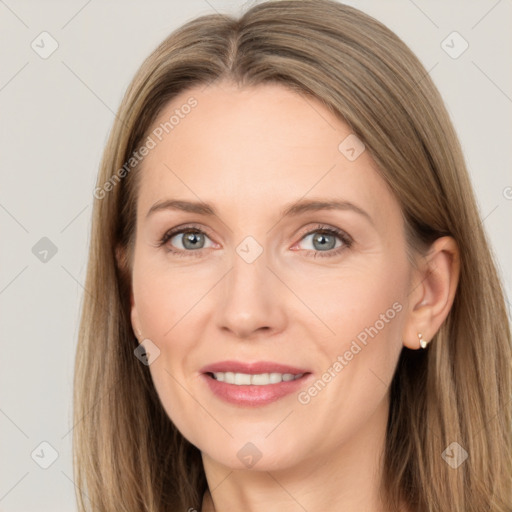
[55, 116]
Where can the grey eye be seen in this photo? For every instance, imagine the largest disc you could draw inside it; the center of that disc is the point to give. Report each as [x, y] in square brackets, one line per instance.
[323, 241]
[190, 240]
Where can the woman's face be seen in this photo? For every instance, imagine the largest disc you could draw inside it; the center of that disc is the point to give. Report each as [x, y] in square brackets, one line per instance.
[264, 281]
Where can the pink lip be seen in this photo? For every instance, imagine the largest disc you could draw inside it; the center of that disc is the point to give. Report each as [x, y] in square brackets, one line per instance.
[251, 368]
[251, 395]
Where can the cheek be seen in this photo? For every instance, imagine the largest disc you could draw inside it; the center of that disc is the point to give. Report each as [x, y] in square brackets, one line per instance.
[165, 300]
[360, 362]
[357, 298]
[164, 295]
[364, 307]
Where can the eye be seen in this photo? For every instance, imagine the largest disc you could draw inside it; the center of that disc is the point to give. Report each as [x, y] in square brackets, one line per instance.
[327, 241]
[185, 240]
[189, 240]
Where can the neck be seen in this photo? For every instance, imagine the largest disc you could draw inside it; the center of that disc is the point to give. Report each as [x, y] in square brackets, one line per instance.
[346, 478]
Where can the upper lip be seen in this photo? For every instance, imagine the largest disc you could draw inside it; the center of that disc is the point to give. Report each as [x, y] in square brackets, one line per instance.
[251, 368]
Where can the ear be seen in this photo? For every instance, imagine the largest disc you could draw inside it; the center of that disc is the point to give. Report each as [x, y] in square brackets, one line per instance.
[432, 291]
[122, 263]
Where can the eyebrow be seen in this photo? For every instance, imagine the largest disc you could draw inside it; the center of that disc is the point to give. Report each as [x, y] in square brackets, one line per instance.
[290, 210]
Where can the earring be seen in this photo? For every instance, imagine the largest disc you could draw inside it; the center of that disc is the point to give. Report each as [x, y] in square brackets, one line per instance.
[423, 343]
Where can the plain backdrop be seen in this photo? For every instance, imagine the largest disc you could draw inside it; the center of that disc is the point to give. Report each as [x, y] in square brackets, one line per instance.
[55, 115]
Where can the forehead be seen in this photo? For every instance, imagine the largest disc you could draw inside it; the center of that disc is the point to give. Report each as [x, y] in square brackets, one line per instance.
[254, 147]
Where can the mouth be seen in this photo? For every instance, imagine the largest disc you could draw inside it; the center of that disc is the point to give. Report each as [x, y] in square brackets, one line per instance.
[253, 384]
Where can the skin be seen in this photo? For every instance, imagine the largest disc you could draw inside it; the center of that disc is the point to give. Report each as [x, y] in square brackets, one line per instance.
[249, 152]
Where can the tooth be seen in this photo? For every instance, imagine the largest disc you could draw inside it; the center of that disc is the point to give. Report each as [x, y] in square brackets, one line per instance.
[229, 377]
[275, 378]
[260, 379]
[242, 378]
[219, 376]
[287, 376]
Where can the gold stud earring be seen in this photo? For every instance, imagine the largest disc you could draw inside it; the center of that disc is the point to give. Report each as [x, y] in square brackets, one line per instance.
[423, 343]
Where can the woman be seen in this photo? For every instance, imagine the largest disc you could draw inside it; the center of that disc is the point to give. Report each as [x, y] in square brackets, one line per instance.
[292, 303]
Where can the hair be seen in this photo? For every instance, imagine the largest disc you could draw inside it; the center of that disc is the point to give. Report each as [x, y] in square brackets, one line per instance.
[128, 455]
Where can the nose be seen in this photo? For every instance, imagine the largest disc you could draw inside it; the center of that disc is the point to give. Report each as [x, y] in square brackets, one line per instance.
[251, 301]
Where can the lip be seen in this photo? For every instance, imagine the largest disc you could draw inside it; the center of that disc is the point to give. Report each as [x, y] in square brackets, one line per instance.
[252, 395]
[251, 368]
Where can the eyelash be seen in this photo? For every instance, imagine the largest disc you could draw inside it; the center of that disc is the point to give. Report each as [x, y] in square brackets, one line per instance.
[320, 228]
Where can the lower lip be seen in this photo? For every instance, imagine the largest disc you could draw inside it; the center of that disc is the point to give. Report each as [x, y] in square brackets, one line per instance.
[250, 395]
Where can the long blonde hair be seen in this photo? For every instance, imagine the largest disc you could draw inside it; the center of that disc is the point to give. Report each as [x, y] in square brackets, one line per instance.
[128, 456]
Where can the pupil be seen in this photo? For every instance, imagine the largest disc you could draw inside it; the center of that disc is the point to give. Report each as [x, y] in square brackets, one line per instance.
[191, 238]
[321, 239]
